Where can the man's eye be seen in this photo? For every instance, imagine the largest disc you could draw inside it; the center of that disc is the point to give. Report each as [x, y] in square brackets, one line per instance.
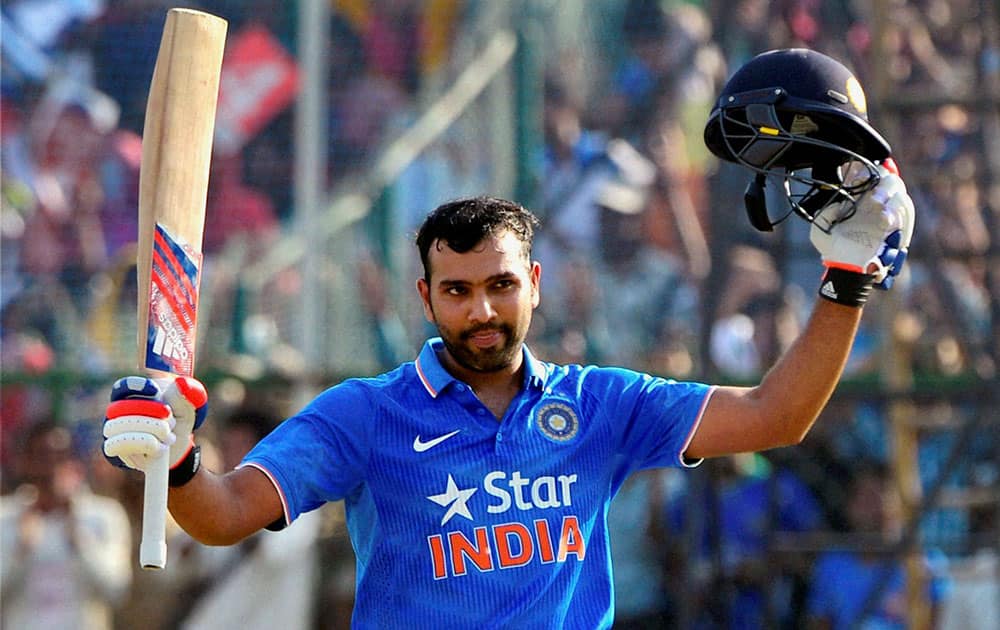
[455, 291]
[504, 284]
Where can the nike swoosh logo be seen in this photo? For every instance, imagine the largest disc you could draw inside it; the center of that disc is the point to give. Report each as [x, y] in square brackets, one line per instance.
[420, 446]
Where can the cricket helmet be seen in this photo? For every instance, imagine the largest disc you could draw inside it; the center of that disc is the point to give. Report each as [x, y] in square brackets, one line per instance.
[800, 117]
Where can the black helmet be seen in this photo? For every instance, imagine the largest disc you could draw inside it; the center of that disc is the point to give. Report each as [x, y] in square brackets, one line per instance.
[801, 116]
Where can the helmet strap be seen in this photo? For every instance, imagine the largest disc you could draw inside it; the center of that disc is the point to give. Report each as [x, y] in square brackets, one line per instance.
[756, 203]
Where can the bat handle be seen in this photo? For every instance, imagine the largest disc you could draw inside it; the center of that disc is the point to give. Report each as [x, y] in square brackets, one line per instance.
[153, 548]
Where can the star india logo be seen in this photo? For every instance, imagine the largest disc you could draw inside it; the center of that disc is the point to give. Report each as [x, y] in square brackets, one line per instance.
[455, 500]
[529, 519]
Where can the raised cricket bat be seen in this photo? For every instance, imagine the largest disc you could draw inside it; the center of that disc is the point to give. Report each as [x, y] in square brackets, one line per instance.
[173, 187]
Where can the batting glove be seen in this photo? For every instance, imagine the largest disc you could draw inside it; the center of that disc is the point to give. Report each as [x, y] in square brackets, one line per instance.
[870, 245]
[146, 417]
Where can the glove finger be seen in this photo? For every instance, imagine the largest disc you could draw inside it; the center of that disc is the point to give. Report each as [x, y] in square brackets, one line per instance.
[893, 257]
[888, 186]
[877, 268]
[160, 430]
[135, 387]
[897, 264]
[134, 448]
[892, 190]
[903, 204]
[886, 283]
[888, 165]
[186, 396]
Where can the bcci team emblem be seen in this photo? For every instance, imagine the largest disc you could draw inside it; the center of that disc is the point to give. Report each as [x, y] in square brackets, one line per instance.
[558, 421]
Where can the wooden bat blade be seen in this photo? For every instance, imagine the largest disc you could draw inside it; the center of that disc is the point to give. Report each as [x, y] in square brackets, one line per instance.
[173, 187]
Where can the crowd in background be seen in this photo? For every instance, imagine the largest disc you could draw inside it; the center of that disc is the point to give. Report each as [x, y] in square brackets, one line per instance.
[648, 262]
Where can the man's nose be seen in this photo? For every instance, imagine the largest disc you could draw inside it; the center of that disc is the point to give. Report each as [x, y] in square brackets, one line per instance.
[481, 308]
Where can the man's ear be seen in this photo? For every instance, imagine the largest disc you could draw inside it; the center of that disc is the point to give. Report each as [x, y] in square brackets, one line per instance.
[536, 281]
[425, 298]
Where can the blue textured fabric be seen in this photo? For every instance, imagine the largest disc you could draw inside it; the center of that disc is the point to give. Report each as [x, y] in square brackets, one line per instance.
[461, 520]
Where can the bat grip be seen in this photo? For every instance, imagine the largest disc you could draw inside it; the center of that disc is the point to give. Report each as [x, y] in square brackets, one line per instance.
[153, 548]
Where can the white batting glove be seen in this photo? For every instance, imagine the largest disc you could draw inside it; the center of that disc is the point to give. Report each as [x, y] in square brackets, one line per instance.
[874, 239]
[148, 416]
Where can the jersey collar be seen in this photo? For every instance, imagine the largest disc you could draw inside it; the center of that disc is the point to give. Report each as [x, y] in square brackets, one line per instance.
[435, 378]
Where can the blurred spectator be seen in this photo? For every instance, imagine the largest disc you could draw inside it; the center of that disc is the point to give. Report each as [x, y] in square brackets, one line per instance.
[391, 40]
[865, 587]
[739, 582]
[265, 581]
[752, 322]
[335, 605]
[66, 551]
[743, 343]
[743, 29]
[914, 59]
[385, 51]
[403, 40]
[643, 310]
[392, 345]
[638, 552]
[659, 98]
[70, 173]
[34, 33]
[267, 166]
[950, 298]
[597, 262]
[670, 73]
[236, 210]
[153, 595]
[364, 110]
[975, 599]
[128, 36]
[576, 167]
[63, 146]
[27, 349]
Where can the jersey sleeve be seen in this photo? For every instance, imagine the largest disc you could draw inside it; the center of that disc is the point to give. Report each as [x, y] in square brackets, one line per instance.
[654, 418]
[320, 454]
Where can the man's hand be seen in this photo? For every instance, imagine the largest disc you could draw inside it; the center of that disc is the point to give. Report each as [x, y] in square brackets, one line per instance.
[874, 240]
[147, 416]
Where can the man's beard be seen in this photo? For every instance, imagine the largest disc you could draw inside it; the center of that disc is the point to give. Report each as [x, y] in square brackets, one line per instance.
[483, 359]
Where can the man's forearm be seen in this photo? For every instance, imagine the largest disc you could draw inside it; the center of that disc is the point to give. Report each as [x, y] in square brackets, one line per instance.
[795, 390]
[225, 509]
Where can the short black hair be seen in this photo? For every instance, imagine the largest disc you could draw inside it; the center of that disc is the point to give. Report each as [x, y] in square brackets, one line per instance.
[464, 223]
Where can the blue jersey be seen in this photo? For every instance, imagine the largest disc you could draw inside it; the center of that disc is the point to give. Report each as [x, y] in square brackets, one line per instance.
[459, 520]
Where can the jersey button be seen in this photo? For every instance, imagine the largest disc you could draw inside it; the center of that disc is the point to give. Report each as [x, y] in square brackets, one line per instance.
[499, 437]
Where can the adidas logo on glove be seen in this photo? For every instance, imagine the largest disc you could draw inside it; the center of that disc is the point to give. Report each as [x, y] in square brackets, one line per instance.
[829, 291]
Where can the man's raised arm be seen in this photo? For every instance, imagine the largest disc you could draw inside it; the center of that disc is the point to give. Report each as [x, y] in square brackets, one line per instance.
[147, 416]
[867, 249]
